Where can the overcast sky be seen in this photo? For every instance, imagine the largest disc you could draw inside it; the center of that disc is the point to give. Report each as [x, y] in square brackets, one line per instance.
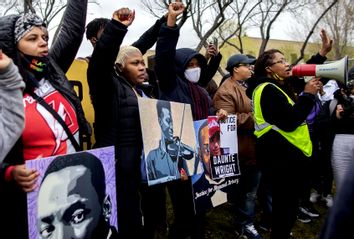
[143, 20]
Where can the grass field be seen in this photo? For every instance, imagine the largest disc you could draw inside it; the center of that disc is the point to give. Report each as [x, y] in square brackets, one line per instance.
[220, 224]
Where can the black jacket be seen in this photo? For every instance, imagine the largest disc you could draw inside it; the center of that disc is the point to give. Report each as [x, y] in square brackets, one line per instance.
[277, 111]
[117, 120]
[62, 53]
[170, 65]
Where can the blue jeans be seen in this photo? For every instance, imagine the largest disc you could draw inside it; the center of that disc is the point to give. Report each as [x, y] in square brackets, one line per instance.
[244, 195]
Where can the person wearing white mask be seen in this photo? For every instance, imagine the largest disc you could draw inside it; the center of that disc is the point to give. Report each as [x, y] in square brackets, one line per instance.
[181, 74]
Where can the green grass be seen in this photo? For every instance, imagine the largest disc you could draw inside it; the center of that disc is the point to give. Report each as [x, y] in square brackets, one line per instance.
[219, 224]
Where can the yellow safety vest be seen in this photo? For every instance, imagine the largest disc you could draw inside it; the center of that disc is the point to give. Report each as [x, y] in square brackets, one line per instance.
[300, 137]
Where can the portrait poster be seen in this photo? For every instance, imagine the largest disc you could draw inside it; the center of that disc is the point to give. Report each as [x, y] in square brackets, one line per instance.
[207, 192]
[168, 139]
[223, 147]
[75, 197]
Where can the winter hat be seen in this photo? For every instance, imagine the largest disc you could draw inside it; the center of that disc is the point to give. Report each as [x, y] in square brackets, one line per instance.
[25, 23]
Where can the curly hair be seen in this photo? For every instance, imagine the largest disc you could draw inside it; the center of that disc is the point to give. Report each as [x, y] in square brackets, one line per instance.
[263, 61]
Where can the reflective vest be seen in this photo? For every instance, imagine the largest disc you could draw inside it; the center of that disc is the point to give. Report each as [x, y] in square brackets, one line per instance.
[300, 137]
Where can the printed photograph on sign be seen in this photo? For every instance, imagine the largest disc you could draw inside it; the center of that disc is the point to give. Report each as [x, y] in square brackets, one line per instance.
[207, 192]
[223, 147]
[168, 139]
[75, 197]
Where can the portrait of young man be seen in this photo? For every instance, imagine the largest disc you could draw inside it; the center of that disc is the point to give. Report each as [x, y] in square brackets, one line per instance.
[169, 159]
[208, 192]
[72, 201]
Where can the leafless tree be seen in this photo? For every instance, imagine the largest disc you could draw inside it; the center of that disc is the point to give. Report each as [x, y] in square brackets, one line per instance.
[238, 18]
[46, 9]
[157, 8]
[8, 6]
[340, 22]
[207, 16]
[325, 11]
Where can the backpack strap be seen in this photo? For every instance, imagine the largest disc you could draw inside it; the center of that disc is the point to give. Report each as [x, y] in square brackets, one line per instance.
[50, 109]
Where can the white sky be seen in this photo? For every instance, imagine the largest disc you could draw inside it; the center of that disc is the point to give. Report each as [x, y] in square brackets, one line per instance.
[143, 20]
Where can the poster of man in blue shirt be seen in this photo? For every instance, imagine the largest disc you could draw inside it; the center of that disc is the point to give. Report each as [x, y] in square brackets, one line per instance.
[168, 161]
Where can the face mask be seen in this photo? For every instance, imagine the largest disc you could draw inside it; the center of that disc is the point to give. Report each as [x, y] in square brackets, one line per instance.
[38, 66]
[277, 77]
[192, 74]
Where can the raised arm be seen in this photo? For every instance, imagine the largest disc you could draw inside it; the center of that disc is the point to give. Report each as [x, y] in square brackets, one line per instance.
[166, 49]
[149, 38]
[11, 105]
[70, 33]
[214, 62]
[326, 47]
[106, 50]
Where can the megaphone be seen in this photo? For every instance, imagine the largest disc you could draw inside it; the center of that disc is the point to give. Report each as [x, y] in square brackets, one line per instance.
[335, 70]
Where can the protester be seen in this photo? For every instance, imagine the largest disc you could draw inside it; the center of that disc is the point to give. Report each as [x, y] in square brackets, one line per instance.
[322, 169]
[11, 105]
[342, 124]
[94, 30]
[115, 78]
[283, 137]
[49, 129]
[180, 74]
[231, 96]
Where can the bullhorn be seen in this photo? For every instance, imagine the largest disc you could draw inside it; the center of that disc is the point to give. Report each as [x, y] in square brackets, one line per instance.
[335, 70]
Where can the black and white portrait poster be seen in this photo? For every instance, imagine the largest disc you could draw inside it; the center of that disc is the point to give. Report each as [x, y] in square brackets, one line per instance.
[75, 197]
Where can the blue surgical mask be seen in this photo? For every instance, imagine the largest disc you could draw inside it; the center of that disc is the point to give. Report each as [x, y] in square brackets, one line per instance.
[192, 74]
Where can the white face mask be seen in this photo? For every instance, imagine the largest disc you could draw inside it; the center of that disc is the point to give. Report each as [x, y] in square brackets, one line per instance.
[192, 74]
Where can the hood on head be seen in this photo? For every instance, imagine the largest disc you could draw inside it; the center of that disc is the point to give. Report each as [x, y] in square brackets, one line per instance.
[183, 57]
[7, 36]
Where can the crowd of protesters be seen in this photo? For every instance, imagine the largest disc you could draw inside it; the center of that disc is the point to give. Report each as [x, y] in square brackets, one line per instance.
[295, 135]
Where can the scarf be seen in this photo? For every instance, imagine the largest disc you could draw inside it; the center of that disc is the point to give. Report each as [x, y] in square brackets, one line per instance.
[200, 107]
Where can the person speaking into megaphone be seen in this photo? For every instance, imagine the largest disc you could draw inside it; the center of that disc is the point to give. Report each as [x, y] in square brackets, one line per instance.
[283, 139]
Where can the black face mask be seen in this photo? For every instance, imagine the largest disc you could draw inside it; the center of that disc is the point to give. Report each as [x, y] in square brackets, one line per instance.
[38, 66]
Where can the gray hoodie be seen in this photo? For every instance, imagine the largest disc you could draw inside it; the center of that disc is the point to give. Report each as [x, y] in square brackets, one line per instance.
[11, 108]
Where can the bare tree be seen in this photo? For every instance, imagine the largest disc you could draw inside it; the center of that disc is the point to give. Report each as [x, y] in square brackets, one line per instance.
[157, 8]
[302, 50]
[238, 18]
[46, 9]
[207, 16]
[269, 12]
[7, 6]
[340, 22]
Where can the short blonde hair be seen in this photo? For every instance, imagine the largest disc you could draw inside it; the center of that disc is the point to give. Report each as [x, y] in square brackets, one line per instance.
[124, 53]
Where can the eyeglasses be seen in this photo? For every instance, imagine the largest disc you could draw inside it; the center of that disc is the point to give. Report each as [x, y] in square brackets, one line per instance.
[282, 61]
